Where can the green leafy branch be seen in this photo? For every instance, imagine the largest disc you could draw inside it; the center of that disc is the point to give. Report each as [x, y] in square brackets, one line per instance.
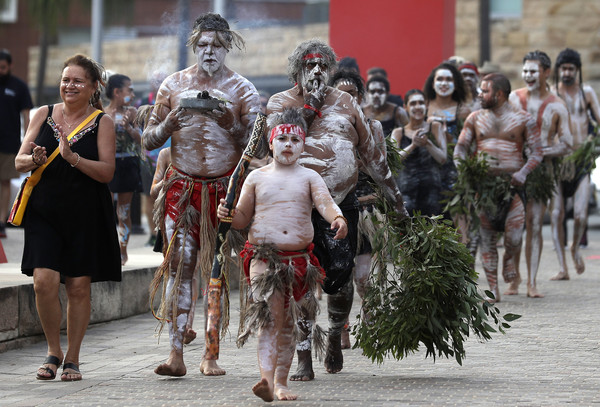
[422, 290]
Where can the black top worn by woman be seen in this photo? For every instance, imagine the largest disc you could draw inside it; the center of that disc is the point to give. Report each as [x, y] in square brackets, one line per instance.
[69, 221]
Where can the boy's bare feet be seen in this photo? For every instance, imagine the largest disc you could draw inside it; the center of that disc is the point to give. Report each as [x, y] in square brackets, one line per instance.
[261, 389]
[304, 371]
[209, 367]
[283, 393]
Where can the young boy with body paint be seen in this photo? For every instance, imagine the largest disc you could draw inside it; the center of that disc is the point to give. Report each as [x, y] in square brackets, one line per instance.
[278, 261]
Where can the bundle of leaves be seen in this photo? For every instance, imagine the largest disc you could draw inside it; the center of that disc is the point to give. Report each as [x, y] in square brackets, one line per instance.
[585, 156]
[394, 159]
[423, 291]
[541, 182]
[475, 190]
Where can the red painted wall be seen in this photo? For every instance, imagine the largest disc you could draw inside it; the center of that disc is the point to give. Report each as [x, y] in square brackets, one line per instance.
[406, 37]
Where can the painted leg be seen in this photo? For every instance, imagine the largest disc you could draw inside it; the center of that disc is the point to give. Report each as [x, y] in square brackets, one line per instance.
[209, 366]
[304, 371]
[513, 238]
[189, 335]
[267, 350]
[489, 256]
[338, 309]
[285, 355]
[184, 246]
[580, 217]
[124, 226]
[45, 284]
[557, 215]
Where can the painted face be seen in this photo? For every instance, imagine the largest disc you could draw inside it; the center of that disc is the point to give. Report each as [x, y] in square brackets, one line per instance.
[210, 53]
[416, 106]
[470, 77]
[567, 73]
[488, 97]
[287, 148]
[443, 82]
[314, 69]
[75, 84]
[377, 94]
[348, 87]
[532, 74]
[127, 92]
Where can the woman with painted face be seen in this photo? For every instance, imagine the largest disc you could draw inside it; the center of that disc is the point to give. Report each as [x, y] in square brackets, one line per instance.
[69, 222]
[423, 146]
[446, 94]
[127, 179]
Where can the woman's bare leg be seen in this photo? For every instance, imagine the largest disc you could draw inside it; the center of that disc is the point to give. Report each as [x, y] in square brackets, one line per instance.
[78, 317]
[46, 283]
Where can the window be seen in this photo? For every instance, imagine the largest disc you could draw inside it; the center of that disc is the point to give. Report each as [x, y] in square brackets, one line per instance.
[8, 11]
[506, 9]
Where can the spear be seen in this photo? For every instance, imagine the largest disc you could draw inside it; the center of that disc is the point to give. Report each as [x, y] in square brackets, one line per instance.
[216, 277]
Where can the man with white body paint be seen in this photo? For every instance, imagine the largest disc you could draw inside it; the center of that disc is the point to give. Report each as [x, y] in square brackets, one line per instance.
[351, 82]
[277, 201]
[390, 115]
[580, 99]
[205, 148]
[501, 130]
[337, 130]
[552, 122]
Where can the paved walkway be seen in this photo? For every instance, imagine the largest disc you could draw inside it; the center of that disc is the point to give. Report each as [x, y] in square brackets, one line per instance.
[549, 357]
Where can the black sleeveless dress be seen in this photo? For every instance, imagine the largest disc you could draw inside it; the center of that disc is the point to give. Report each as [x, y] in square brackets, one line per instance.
[420, 180]
[69, 221]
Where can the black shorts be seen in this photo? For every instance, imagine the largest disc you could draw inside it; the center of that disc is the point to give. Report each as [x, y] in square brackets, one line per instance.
[127, 176]
[336, 256]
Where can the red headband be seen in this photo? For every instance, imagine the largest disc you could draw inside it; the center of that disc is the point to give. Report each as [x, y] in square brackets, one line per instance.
[469, 66]
[287, 129]
[311, 56]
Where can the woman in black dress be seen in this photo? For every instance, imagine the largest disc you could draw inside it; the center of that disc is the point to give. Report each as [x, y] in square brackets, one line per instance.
[70, 234]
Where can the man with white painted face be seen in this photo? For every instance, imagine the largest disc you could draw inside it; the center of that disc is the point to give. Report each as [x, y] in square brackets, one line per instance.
[390, 115]
[552, 122]
[206, 145]
[470, 75]
[350, 81]
[501, 131]
[337, 130]
[581, 100]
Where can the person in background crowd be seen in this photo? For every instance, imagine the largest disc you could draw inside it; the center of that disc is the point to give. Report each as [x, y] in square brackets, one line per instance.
[581, 101]
[552, 123]
[127, 178]
[15, 103]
